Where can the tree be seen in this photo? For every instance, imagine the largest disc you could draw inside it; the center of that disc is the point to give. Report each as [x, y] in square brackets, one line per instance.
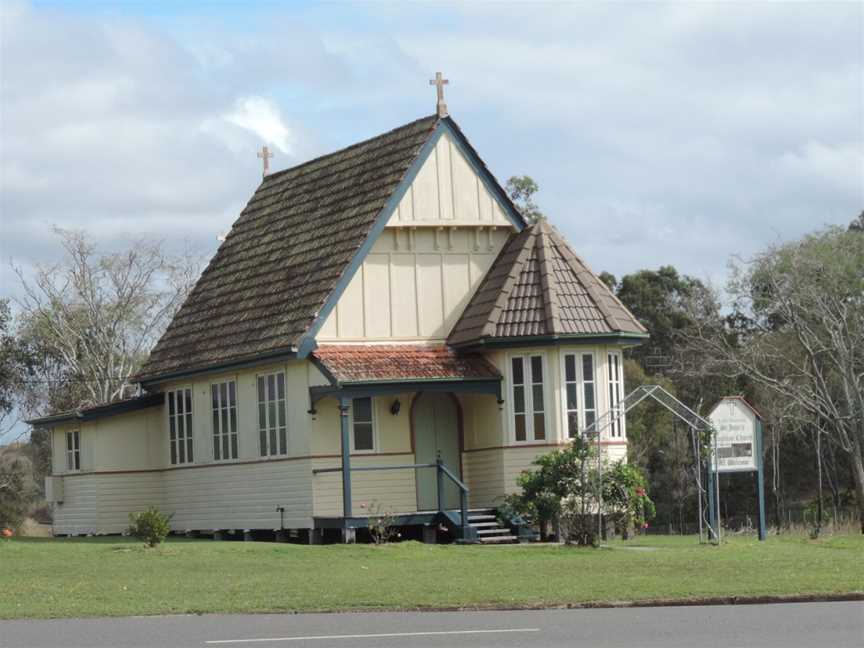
[17, 487]
[92, 317]
[521, 190]
[609, 279]
[803, 303]
[658, 298]
[15, 368]
[857, 225]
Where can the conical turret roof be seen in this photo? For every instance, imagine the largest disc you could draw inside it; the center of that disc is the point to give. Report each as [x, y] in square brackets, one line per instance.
[539, 288]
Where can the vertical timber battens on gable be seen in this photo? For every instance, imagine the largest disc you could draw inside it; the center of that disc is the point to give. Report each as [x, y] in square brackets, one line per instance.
[307, 342]
[449, 190]
[500, 204]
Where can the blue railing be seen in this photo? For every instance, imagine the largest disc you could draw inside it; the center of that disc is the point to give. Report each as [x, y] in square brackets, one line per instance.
[441, 471]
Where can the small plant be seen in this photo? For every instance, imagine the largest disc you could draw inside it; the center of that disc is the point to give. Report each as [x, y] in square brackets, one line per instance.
[382, 524]
[152, 526]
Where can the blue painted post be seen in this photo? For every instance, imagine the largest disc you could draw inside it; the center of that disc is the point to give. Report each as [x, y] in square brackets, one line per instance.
[440, 474]
[712, 508]
[344, 404]
[760, 482]
[463, 506]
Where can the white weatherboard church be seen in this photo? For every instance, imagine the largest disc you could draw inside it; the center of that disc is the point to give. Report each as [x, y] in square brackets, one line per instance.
[380, 328]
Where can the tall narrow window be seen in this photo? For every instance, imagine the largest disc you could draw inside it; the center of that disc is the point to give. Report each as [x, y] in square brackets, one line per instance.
[180, 425]
[588, 389]
[571, 395]
[364, 437]
[579, 386]
[272, 427]
[73, 450]
[615, 384]
[519, 424]
[537, 398]
[224, 400]
[529, 398]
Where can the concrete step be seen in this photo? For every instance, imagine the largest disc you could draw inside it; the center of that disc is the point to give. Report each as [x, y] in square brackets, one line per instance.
[492, 532]
[482, 518]
[506, 539]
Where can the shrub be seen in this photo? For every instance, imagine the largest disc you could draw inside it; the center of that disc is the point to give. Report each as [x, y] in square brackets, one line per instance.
[560, 475]
[625, 498]
[152, 526]
[382, 524]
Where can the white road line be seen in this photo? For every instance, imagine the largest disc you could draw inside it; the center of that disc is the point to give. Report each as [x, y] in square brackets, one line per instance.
[382, 635]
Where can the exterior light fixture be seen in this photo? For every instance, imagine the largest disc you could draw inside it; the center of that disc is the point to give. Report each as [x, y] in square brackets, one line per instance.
[395, 407]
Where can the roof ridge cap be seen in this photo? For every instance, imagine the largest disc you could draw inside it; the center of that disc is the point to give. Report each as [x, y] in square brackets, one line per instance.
[324, 156]
[548, 283]
[590, 286]
[507, 286]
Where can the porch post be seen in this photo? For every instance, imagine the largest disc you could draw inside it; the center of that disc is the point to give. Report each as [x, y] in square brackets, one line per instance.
[347, 533]
[439, 474]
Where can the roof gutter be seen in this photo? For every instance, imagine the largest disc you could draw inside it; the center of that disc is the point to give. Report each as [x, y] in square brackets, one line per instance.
[632, 339]
[100, 411]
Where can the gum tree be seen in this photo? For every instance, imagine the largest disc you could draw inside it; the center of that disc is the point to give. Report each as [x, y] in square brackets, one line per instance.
[800, 306]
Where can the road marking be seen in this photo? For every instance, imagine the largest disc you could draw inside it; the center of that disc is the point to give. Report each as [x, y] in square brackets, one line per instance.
[440, 633]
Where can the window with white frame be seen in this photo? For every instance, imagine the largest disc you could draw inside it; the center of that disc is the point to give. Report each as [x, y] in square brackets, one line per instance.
[272, 426]
[224, 405]
[362, 425]
[180, 425]
[529, 398]
[616, 385]
[579, 397]
[73, 450]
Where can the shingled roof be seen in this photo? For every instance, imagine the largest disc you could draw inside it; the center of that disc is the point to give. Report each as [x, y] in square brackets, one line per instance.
[539, 287]
[285, 254]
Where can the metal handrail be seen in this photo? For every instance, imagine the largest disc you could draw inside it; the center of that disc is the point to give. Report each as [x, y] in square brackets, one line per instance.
[315, 471]
[441, 470]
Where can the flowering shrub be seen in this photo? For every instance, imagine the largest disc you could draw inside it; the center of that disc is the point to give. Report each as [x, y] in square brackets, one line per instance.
[625, 497]
[564, 485]
[561, 486]
[382, 524]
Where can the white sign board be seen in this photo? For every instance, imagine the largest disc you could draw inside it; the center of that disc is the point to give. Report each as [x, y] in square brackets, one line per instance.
[735, 424]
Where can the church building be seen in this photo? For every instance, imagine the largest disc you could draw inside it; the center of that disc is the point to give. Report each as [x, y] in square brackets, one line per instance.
[381, 330]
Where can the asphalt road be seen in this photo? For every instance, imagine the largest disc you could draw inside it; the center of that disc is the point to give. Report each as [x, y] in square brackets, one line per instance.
[791, 625]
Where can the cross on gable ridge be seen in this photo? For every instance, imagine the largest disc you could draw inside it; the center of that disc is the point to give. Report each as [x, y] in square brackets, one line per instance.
[440, 82]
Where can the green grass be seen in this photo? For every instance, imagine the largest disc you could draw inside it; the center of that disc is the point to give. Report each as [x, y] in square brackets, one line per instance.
[113, 576]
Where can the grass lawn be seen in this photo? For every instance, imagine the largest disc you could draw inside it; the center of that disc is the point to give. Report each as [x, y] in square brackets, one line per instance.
[118, 576]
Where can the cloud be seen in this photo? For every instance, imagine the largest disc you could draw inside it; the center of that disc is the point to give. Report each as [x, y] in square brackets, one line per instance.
[674, 133]
[261, 117]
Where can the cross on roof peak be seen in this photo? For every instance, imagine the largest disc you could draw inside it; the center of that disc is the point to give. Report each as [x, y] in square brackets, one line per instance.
[440, 81]
[265, 154]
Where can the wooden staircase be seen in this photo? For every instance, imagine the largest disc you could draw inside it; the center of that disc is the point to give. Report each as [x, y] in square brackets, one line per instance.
[489, 530]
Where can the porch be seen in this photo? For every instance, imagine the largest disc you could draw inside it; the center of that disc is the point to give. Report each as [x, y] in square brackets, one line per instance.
[405, 465]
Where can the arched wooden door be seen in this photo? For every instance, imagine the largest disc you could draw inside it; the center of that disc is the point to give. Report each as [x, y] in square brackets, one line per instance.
[436, 430]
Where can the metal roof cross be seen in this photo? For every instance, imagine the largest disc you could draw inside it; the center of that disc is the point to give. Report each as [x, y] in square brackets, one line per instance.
[265, 154]
[440, 81]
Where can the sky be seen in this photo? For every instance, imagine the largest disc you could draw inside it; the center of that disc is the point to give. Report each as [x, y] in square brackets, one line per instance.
[680, 134]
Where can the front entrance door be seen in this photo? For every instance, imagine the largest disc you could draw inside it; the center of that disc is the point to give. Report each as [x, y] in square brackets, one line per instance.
[436, 429]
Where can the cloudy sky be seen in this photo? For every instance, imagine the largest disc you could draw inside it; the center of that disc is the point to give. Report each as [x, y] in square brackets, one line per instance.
[659, 133]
